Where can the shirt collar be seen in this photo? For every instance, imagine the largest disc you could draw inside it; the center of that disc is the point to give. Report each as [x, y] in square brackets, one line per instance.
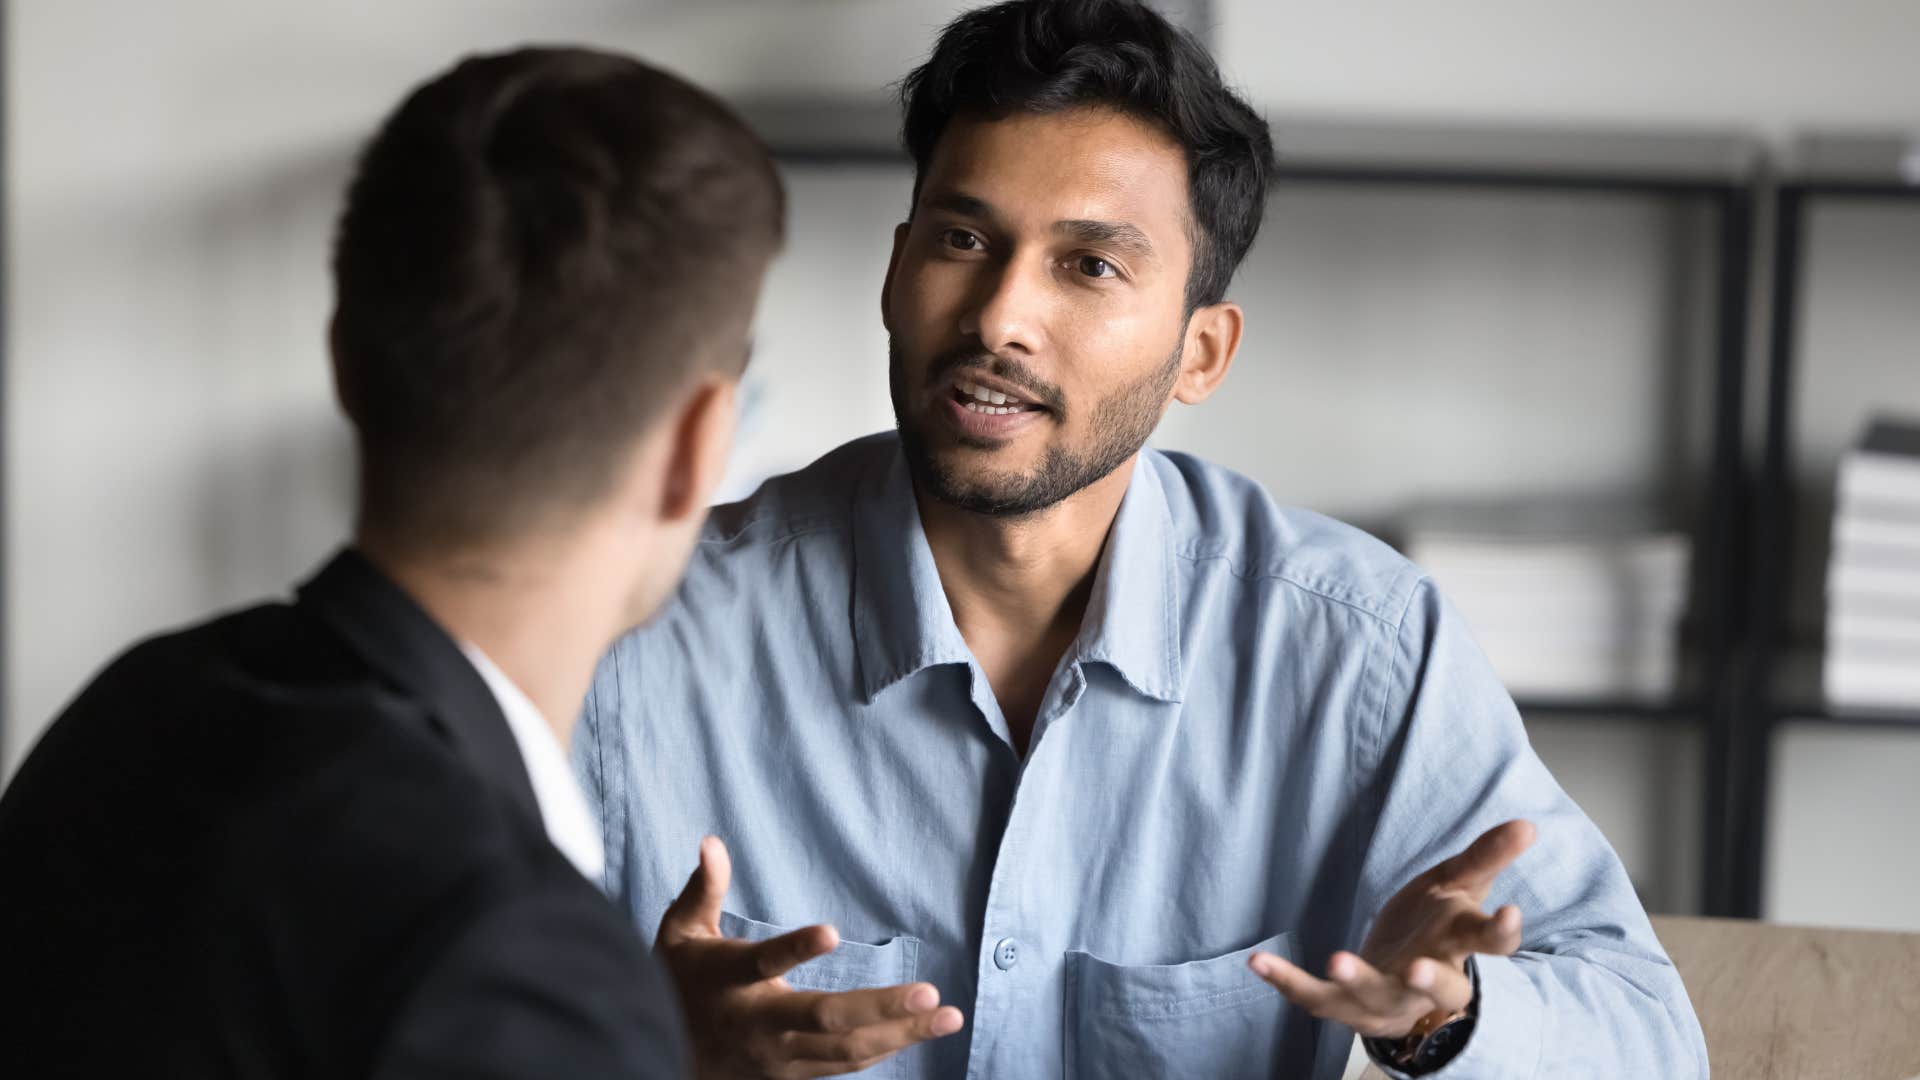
[563, 806]
[902, 623]
[1133, 618]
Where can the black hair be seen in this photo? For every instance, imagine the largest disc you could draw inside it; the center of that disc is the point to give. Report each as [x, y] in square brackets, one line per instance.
[1046, 56]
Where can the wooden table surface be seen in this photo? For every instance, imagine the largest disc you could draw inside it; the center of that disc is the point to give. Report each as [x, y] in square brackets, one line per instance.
[1800, 1003]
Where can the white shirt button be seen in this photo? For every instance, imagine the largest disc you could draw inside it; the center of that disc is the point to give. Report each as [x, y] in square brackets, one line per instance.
[1006, 954]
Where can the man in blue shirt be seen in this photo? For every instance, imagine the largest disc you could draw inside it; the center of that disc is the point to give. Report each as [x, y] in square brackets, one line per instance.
[1096, 743]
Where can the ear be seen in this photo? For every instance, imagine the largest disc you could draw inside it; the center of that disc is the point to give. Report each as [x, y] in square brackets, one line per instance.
[701, 440]
[900, 232]
[1213, 337]
[344, 390]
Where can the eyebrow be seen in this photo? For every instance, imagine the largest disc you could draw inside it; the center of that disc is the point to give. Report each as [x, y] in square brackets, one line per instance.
[1123, 237]
[953, 202]
[1126, 239]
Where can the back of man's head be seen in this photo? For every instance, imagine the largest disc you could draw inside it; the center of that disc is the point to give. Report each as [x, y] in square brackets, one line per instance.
[540, 252]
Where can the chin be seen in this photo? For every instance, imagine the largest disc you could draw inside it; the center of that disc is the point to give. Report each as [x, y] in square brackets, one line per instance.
[986, 468]
[980, 489]
[963, 457]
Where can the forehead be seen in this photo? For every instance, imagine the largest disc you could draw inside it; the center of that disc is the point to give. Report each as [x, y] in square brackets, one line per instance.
[1083, 164]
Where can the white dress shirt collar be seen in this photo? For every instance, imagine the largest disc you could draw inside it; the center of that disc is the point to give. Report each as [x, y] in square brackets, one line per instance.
[563, 807]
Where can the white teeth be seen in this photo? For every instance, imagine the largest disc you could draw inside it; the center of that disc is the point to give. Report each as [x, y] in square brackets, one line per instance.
[992, 402]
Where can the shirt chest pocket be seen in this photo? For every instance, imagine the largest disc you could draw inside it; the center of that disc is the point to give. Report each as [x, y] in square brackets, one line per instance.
[852, 966]
[1211, 1018]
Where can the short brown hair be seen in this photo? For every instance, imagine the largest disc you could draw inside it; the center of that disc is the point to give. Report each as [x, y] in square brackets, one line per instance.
[534, 253]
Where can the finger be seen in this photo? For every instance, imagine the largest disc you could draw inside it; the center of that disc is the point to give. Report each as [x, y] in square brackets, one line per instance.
[1328, 1000]
[1474, 932]
[1476, 868]
[696, 911]
[731, 962]
[774, 957]
[1500, 936]
[1294, 983]
[1379, 994]
[1448, 986]
[862, 1047]
[809, 1012]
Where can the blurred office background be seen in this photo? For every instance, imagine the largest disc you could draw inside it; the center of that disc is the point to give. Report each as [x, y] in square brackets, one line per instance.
[1513, 308]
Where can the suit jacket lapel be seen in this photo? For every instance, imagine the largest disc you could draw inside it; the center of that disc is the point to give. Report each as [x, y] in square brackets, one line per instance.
[400, 641]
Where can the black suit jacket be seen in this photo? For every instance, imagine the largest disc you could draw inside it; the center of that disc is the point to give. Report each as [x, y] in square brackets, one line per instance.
[299, 841]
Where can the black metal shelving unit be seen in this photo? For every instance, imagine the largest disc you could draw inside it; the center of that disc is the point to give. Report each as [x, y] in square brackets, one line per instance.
[1779, 677]
[1719, 170]
[1715, 169]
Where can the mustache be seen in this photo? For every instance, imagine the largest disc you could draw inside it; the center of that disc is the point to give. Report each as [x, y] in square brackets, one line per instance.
[1012, 371]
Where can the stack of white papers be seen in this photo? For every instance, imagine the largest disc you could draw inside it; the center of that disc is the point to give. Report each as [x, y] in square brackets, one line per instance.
[1566, 599]
[1873, 578]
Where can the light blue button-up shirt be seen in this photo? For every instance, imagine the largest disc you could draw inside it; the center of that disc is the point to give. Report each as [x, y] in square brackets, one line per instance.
[1269, 723]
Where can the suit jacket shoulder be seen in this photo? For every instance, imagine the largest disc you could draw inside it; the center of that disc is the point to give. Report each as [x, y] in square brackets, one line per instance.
[249, 848]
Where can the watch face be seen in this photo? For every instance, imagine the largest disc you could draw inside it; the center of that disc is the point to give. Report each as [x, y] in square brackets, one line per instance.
[1445, 1041]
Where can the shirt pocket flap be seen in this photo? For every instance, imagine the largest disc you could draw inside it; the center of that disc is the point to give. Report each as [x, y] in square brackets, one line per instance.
[852, 966]
[1170, 990]
[1211, 1017]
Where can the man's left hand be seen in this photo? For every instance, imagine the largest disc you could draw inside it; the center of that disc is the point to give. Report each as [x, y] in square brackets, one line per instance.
[1413, 962]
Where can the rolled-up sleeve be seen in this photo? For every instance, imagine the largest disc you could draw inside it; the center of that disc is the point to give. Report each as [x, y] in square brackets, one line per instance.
[1591, 992]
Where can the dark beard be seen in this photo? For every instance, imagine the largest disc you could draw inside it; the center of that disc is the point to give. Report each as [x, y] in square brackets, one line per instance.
[1120, 426]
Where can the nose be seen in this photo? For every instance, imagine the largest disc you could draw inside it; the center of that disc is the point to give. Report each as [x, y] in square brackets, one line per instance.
[1008, 313]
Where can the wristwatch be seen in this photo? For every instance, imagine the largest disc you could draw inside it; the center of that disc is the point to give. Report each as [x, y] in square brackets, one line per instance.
[1433, 1042]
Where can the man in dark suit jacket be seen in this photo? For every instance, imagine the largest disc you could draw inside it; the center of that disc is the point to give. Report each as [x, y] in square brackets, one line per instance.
[339, 837]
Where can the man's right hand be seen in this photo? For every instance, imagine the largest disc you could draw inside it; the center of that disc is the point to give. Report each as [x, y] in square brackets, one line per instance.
[745, 1018]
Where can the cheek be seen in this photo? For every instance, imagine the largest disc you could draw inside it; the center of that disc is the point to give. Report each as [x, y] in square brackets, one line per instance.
[927, 292]
[1112, 343]
[1112, 350]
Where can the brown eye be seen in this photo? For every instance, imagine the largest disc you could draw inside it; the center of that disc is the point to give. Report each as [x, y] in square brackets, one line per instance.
[961, 240]
[1095, 267]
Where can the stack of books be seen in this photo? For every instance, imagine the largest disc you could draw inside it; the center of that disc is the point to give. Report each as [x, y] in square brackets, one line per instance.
[1873, 578]
[1566, 599]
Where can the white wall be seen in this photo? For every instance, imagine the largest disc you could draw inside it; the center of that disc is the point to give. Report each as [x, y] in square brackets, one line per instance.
[174, 169]
[1765, 64]
[819, 372]
[1840, 847]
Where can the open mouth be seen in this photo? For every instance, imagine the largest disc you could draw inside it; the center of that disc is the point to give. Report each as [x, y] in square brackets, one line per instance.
[990, 400]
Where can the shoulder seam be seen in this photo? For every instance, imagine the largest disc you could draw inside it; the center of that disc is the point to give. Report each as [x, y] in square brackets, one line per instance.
[785, 529]
[1194, 553]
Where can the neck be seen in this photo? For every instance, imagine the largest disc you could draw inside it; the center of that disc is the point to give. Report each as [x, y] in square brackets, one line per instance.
[534, 607]
[1026, 579]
